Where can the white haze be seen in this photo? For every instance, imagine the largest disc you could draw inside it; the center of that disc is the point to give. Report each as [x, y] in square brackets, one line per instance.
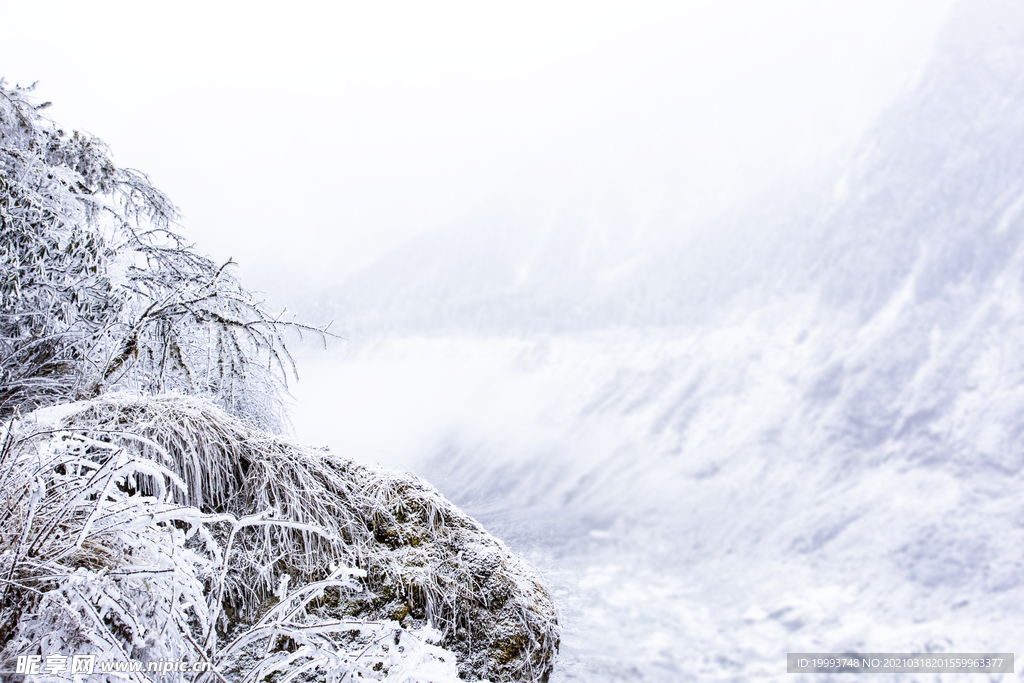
[306, 139]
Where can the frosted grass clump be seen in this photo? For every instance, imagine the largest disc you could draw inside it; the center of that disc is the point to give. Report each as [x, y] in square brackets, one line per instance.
[99, 556]
[161, 527]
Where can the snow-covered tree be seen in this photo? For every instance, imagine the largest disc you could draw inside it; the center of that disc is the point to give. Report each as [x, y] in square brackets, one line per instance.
[98, 291]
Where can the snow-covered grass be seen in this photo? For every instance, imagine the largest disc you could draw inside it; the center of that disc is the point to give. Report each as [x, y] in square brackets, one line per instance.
[161, 527]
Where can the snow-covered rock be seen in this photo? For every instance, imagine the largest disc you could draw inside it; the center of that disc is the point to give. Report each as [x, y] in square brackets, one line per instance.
[154, 527]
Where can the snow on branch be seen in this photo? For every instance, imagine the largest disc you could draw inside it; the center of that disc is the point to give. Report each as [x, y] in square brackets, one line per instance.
[99, 293]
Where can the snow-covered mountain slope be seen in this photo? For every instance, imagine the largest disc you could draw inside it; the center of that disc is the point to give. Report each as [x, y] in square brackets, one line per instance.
[860, 482]
[580, 261]
[578, 244]
[800, 434]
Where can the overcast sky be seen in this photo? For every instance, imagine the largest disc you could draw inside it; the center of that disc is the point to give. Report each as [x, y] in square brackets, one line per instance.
[307, 138]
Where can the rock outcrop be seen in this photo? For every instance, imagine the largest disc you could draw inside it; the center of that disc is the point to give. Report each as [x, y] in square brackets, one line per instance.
[278, 520]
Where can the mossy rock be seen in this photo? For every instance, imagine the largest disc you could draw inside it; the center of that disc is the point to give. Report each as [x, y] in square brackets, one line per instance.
[425, 560]
[440, 565]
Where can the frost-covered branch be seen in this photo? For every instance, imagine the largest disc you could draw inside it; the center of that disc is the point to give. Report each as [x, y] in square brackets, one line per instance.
[98, 292]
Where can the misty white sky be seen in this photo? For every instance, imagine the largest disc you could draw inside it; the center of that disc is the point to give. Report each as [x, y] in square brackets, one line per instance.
[305, 139]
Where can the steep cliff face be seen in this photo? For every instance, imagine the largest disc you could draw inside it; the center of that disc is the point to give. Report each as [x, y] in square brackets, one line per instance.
[937, 183]
[162, 527]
